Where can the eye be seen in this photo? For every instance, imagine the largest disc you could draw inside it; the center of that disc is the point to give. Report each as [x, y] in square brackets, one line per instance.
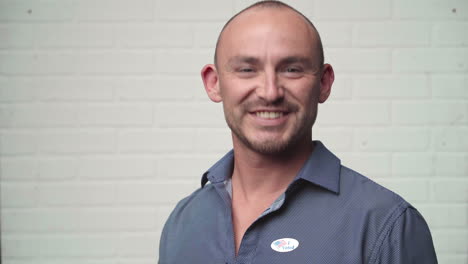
[293, 69]
[246, 71]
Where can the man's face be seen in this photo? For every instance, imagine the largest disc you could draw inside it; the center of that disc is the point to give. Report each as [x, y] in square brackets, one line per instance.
[269, 79]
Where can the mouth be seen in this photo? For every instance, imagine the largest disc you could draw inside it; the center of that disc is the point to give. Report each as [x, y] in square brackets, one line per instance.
[269, 114]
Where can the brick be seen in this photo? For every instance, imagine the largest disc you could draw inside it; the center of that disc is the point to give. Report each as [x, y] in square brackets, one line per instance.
[14, 169]
[34, 220]
[82, 220]
[335, 34]
[138, 245]
[450, 191]
[430, 60]
[213, 141]
[450, 258]
[58, 260]
[18, 195]
[116, 168]
[38, 116]
[336, 139]
[184, 167]
[431, 9]
[162, 35]
[162, 141]
[370, 60]
[19, 247]
[116, 114]
[138, 141]
[74, 89]
[6, 117]
[451, 241]
[306, 7]
[391, 87]
[78, 245]
[124, 62]
[22, 89]
[451, 138]
[71, 35]
[411, 190]
[392, 139]
[451, 34]
[450, 86]
[37, 63]
[141, 261]
[194, 10]
[78, 142]
[182, 62]
[371, 165]
[154, 193]
[160, 88]
[206, 35]
[15, 143]
[61, 194]
[353, 114]
[392, 34]
[113, 10]
[428, 113]
[241, 4]
[16, 90]
[448, 165]
[16, 36]
[445, 216]
[359, 10]
[192, 115]
[341, 89]
[57, 168]
[41, 10]
[412, 164]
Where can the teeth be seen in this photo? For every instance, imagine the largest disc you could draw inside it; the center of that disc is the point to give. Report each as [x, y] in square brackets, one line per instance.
[269, 115]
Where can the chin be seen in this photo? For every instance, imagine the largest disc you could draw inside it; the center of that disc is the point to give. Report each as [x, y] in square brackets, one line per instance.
[270, 146]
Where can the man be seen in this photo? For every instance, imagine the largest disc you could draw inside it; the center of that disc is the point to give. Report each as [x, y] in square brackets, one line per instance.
[280, 197]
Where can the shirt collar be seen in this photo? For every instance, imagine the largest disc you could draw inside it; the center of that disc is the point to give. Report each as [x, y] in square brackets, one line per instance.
[321, 168]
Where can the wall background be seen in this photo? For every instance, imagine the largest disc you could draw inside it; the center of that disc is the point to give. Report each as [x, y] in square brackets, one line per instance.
[104, 124]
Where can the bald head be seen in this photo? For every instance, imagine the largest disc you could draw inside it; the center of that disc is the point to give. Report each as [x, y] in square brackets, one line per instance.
[279, 6]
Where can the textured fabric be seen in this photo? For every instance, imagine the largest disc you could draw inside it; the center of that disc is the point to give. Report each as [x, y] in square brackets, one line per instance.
[336, 215]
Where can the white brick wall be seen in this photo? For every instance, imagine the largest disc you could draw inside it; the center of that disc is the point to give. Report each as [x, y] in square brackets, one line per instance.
[101, 103]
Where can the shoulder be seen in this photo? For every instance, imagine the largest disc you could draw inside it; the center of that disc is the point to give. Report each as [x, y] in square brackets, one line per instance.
[196, 203]
[191, 215]
[401, 233]
[355, 186]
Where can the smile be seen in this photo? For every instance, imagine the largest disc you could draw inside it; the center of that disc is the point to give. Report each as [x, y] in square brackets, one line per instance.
[269, 115]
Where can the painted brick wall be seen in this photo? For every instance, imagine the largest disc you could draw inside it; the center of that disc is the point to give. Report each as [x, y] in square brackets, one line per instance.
[104, 124]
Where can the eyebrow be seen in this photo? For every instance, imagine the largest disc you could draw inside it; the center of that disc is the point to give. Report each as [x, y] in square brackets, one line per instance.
[288, 60]
[297, 59]
[243, 59]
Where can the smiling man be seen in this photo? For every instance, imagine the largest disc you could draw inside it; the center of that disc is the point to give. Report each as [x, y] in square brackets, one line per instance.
[279, 196]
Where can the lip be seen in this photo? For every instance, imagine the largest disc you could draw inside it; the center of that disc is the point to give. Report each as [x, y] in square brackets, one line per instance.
[269, 122]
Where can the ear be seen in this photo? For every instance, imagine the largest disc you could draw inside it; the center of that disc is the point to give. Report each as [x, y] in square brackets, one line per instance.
[328, 76]
[210, 80]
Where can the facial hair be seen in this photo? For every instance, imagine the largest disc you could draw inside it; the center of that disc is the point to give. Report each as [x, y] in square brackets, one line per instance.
[300, 129]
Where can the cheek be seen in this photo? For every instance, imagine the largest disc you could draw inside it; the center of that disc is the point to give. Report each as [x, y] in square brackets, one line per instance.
[306, 95]
[235, 94]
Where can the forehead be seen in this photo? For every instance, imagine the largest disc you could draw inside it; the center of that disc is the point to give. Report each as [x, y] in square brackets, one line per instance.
[268, 31]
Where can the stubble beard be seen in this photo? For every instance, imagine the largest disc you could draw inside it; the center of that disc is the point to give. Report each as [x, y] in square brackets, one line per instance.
[302, 130]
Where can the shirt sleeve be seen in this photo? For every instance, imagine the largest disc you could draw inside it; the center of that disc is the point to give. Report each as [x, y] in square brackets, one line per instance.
[409, 241]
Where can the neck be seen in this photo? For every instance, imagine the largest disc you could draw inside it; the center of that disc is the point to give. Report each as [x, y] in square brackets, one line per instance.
[260, 175]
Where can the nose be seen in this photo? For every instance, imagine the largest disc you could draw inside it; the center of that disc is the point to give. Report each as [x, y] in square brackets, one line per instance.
[270, 90]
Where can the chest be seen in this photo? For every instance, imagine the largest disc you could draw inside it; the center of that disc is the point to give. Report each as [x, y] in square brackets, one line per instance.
[244, 214]
[321, 238]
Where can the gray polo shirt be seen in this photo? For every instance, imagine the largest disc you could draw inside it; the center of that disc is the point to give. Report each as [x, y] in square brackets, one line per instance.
[328, 214]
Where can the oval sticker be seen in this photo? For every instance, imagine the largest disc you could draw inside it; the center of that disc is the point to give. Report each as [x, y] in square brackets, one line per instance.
[284, 244]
